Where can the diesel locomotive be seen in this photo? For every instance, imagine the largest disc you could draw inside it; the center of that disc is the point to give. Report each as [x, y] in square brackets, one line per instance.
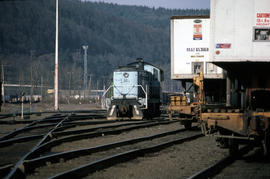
[135, 92]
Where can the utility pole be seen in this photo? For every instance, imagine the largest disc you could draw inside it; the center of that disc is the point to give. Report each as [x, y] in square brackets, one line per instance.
[3, 81]
[41, 89]
[89, 84]
[104, 82]
[31, 76]
[31, 90]
[85, 47]
[56, 61]
[69, 82]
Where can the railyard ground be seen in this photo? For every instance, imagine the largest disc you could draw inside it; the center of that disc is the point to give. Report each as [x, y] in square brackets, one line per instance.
[179, 161]
[42, 107]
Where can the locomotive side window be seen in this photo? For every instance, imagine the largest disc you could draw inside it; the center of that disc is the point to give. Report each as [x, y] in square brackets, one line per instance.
[261, 34]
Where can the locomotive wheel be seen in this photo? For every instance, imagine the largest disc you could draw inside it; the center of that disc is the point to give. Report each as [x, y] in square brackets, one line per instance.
[233, 147]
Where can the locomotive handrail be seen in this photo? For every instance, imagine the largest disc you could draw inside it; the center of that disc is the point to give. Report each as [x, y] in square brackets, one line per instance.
[124, 86]
[145, 92]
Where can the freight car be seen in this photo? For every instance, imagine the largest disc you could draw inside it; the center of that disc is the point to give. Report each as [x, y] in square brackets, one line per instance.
[135, 92]
[190, 65]
[1, 98]
[240, 39]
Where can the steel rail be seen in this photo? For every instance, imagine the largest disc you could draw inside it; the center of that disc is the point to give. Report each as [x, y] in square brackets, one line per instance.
[18, 169]
[92, 122]
[75, 153]
[98, 128]
[4, 170]
[47, 146]
[58, 132]
[17, 131]
[11, 141]
[67, 155]
[86, 169]
[8, 142]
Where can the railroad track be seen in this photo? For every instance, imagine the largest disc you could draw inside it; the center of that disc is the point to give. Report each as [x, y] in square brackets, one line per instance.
[17, 168]
[26, 139]
[82, 162]
[40, 128]
[108, 161]
[81, 145]
[61, 131]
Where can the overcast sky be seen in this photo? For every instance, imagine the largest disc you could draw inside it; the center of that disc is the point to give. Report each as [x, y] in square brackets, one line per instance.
[171, 4]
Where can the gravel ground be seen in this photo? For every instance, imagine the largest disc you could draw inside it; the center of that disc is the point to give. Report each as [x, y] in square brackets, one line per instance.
[12, 154]
[6, 128]
[179, 161]
[98, 125]
[175, 162]
[54, 168]
[251, 165]
[115, 138]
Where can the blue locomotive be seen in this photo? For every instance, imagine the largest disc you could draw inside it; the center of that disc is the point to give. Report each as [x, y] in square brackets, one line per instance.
[135, 91]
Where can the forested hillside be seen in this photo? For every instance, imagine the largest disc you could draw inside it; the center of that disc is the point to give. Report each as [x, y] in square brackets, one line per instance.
[115, 35]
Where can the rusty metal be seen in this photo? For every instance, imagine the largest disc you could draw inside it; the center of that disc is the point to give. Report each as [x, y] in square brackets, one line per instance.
[198, 81]
[241, 123]
[191, 110]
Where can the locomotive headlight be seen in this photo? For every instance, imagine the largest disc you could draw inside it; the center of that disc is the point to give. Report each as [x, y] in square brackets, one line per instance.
[126, 75]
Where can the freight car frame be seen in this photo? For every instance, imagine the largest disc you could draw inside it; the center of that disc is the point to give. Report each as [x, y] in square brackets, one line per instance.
[236, 47]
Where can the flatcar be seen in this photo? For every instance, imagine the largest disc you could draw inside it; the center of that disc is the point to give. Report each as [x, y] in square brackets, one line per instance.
[240, 44]
[135, 92]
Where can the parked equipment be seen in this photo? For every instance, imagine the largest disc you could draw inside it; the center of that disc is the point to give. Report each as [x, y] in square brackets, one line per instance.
[202, 81]
[135, 92]
[239, 43]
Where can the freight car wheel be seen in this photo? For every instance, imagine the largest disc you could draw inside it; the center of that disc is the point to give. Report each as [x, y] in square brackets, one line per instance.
[233, 147]
[266, 144]
[187, 125]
